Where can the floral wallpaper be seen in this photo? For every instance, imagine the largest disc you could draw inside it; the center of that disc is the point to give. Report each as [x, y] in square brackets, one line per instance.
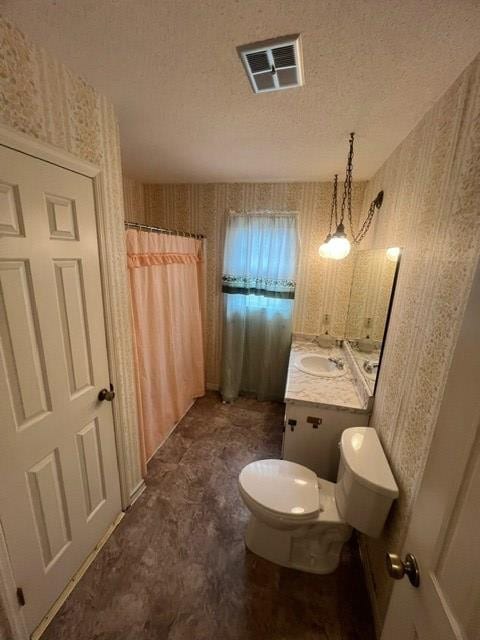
[431, 209]
[323, 286]
[42, 98]
[134, 200]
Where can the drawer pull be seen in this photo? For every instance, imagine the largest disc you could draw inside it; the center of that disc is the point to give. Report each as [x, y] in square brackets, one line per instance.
[314, 421]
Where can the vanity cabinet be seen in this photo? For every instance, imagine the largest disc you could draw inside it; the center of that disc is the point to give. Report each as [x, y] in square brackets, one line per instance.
[312, 433]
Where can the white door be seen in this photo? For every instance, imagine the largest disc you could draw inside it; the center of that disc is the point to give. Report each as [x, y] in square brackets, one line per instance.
[59, 485]
[444, 533]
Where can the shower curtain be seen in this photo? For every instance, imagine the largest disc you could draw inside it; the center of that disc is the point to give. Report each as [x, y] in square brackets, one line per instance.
[165, 273]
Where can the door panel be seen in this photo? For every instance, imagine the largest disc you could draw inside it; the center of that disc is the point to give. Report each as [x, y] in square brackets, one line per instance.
[71, 297]
[49, 507]
[11, 220]
[459, 561]
[60, 488]
[444, 532]
[90, 457]
[62, 218]
[21, 344]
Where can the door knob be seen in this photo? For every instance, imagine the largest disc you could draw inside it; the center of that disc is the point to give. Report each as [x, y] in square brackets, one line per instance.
[397, 567]
[105, 394]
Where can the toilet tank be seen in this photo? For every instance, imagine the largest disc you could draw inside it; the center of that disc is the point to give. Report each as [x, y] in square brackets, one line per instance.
[365, 486]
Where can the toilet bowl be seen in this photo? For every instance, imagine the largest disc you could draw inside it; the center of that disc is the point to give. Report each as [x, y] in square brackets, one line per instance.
[301, 521]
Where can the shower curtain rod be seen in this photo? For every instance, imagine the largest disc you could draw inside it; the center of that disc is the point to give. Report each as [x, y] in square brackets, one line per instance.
[173, 232]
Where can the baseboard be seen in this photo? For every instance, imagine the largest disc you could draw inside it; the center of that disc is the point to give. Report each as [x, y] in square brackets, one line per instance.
[75, 580]
[12, 620]
[171, 430]
[137, 492]
[362, 549]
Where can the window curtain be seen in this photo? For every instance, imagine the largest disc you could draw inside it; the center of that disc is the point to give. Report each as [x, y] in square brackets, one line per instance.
[165, 273]
[258, 287]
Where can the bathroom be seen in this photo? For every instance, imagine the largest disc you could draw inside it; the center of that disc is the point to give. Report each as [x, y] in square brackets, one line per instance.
[393, 337]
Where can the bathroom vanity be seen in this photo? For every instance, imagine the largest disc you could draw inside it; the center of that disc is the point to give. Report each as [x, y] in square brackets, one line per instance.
[325, 394]
[331, 379]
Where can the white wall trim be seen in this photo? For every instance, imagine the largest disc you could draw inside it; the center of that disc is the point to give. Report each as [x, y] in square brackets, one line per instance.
[368, 575]
[8, 587]
[126, 435]
[123, 444]
[72, 583]
[136, 493]
[38, 149]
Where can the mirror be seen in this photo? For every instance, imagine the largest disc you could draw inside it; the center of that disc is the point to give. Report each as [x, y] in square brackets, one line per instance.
[371, 295]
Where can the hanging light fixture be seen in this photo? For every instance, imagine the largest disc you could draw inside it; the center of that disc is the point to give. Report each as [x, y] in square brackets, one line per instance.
[324, 249]
[337, 245]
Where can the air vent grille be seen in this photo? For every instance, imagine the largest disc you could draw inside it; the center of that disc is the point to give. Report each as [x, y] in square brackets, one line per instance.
[284, 56]
[273, 64]
[258, 61]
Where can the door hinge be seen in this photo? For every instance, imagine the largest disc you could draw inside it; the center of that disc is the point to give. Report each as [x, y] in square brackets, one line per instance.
[20, 597]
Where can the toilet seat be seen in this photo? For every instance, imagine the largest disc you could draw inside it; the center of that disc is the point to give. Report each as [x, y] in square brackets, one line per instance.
[281, 488]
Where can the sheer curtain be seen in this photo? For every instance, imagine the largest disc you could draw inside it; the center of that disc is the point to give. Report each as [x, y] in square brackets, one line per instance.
[165, 284]
[258, 283]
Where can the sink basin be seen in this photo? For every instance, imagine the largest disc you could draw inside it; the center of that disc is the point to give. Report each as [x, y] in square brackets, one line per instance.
[317, 365]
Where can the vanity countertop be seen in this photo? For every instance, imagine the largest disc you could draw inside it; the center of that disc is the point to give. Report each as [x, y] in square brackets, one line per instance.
[332, 393]
[361, 357]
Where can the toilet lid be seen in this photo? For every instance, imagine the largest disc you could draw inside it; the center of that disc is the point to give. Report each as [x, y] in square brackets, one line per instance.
[284, 487]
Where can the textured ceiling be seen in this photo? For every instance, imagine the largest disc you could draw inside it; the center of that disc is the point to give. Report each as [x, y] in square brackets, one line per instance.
[186, 110]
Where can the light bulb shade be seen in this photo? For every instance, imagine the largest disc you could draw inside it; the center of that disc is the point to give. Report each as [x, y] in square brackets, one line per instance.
[339, 247]
[324, 249]
[393, 253]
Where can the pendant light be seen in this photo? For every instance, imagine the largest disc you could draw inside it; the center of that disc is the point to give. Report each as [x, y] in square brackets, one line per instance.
[324, 249]
[337, 245]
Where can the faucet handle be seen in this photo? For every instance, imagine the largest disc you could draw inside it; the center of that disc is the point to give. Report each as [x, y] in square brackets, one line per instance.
[338, 361]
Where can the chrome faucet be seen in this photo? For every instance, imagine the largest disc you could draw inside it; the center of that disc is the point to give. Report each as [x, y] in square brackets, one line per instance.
[370, 366]
[338, 362]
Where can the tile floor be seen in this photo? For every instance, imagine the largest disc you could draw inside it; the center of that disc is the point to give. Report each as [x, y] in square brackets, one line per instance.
[176, 568]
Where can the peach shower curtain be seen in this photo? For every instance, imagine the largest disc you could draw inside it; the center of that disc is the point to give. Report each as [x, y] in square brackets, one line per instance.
[165, 282]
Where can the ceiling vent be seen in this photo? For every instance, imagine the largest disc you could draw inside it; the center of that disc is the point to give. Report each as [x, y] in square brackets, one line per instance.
[275, 64]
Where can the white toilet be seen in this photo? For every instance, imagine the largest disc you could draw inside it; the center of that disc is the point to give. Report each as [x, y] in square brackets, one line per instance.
[301, 521]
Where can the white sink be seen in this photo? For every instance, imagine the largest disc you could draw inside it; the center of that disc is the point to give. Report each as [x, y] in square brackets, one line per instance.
[317, 365]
